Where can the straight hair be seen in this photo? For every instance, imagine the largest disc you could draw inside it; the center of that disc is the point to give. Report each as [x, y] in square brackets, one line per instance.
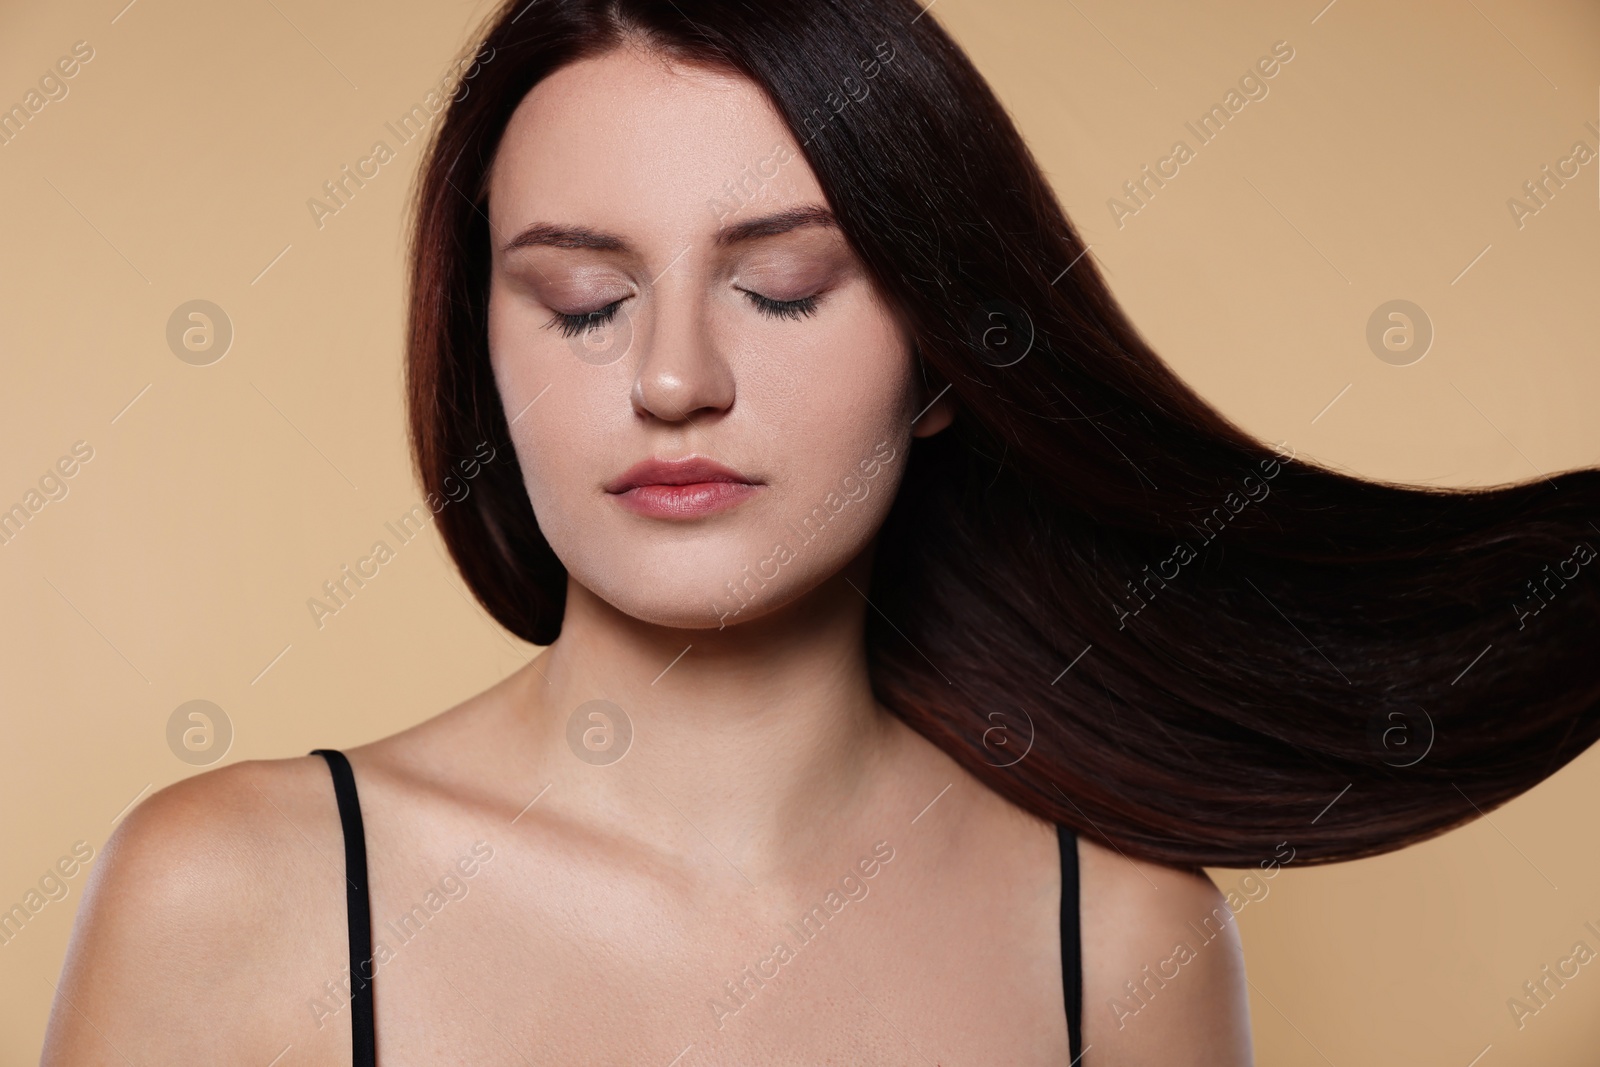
[1105, 600]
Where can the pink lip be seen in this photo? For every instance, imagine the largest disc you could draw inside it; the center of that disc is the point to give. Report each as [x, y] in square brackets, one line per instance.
[680, 489]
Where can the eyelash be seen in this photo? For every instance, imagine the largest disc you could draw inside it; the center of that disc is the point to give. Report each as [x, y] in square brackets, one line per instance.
[783, 309]
[572, 325]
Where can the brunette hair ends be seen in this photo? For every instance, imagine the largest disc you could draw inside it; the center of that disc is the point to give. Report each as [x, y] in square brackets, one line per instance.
[1109, 603]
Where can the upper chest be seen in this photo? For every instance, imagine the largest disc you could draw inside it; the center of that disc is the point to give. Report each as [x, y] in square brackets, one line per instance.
[905, 948]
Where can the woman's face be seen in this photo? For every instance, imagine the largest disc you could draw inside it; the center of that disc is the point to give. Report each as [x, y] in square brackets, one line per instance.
[668, 286]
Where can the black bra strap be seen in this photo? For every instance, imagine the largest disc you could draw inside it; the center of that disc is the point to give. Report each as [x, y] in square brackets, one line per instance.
[363, 1034]
[1071, 948]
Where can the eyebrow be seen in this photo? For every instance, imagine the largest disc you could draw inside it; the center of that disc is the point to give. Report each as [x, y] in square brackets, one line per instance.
[548, 235]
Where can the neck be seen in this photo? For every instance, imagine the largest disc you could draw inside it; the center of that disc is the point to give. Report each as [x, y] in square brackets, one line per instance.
[755, 737]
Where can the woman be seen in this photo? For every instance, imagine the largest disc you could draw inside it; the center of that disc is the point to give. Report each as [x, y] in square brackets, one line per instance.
[872, 548]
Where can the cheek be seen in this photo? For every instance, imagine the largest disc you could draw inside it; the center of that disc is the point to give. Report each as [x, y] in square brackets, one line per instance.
[836, 393]
[564, 415]
[828, 398]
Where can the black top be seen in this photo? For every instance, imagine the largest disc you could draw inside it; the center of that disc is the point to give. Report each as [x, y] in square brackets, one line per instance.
[364, 1035]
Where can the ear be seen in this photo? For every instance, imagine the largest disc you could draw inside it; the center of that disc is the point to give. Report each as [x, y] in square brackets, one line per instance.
[937, 406]
[936, 415]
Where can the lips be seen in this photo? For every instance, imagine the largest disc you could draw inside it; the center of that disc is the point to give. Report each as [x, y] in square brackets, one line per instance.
[691, 470]
[680, 489]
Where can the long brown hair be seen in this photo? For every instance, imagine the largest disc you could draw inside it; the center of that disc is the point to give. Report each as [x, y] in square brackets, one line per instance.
[1112, 605]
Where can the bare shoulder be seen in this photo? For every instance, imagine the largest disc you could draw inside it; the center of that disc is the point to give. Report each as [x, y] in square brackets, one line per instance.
[216, 898]
[1164, 977]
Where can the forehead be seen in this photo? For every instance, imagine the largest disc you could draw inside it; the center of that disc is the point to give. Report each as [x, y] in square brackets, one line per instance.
[637, 141]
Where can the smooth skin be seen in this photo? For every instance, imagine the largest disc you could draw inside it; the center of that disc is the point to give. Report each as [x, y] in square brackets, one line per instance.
[609, 906]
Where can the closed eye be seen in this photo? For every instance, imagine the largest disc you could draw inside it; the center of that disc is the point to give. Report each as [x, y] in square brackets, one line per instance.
[573, 325]
[784, 309]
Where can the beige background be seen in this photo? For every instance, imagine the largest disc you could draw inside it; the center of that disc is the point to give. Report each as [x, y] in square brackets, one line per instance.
[178, 567]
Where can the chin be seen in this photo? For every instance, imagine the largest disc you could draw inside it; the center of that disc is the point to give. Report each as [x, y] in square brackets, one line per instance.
[689, 603]
[701, 587]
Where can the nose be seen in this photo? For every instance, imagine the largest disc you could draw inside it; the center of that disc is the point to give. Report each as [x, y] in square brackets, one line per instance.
[681, 373]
